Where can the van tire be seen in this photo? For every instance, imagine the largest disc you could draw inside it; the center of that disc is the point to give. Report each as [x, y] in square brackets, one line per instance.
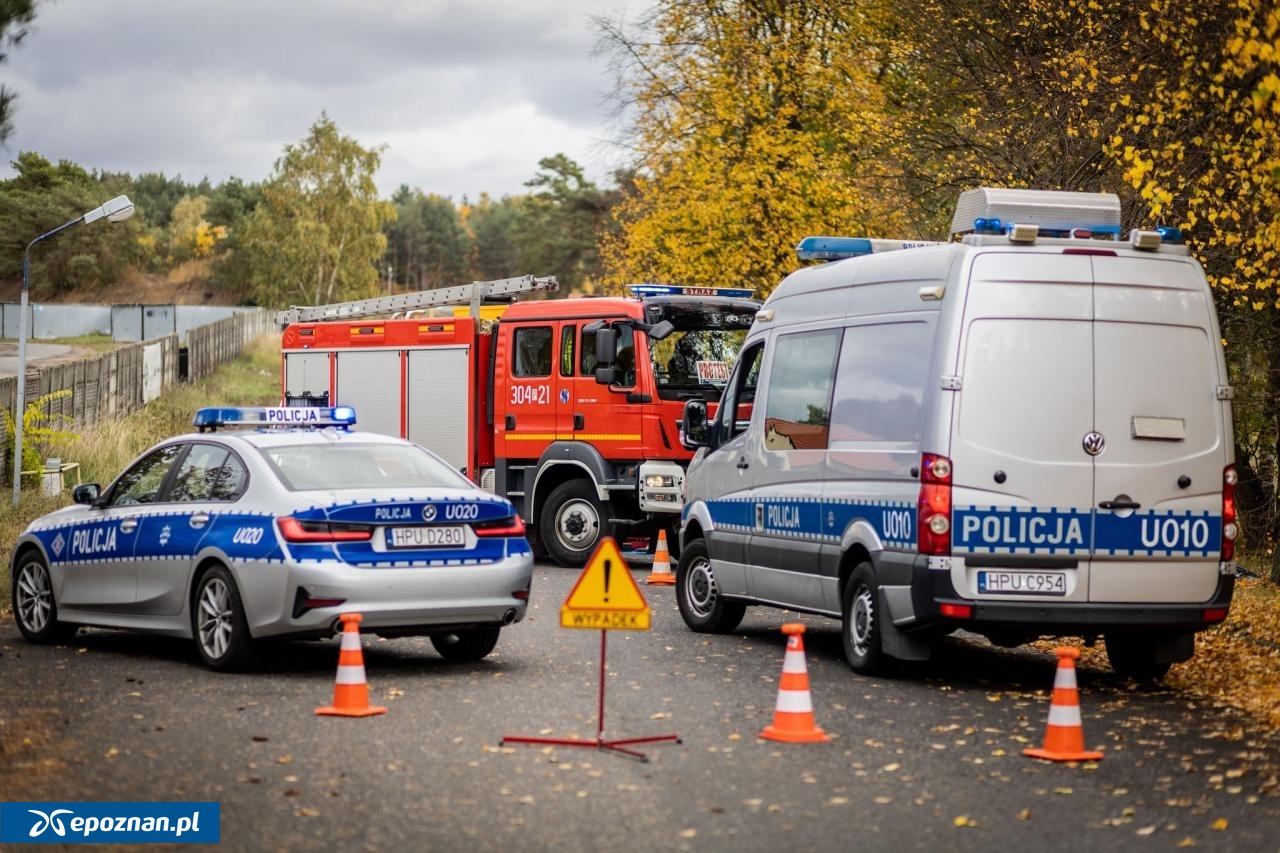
[698, 596]
[859, 628]
[1133, 655]
[572, 522]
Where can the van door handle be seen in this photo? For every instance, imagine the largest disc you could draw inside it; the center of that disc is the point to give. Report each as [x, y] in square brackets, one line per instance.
[579, 422]
[1120, 503]
[743, 464]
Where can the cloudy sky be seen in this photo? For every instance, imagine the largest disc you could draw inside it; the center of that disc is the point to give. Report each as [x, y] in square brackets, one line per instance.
[466, 95]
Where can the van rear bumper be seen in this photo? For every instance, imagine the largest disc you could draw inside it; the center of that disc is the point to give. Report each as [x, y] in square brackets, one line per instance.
[933, 589]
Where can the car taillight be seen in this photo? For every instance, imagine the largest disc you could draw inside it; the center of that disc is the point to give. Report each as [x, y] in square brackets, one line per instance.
[510, 526]
[297, 530]
[1229, 528]
[933, 511]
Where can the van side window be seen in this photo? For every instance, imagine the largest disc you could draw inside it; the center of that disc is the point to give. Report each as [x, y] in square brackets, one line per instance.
[880, 383]
[735, 408]
[798, 412]
[532, 351]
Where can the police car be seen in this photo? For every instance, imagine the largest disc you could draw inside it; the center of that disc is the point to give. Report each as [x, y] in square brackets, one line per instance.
[232, 536]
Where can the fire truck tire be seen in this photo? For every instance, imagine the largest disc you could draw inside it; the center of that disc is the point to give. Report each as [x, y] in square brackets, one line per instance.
[571, 523]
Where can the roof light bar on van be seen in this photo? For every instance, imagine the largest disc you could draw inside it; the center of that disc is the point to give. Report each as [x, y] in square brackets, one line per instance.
[838, 248]
[213, 417]
[689, 290]
[989, 210]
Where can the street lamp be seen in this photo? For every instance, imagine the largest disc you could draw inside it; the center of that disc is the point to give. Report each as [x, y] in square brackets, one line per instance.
[116, 210]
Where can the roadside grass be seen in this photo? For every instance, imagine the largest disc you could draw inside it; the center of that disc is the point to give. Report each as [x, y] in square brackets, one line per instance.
[1237, 663]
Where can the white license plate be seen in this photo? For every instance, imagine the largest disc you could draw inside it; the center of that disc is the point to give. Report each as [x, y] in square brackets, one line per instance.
[1023, 583]
[440, 536]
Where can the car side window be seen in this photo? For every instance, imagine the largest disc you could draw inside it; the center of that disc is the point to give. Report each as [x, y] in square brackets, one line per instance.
[207, 473]
[141, 482]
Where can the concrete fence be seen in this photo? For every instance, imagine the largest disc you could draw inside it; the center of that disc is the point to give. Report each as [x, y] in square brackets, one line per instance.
[118, 383]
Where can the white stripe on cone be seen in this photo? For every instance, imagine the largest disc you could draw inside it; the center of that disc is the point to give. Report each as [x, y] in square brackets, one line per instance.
[350, 674]
[1065, 715]
[794, 701]
[350, 640]
[793, 662]
[1066, 677]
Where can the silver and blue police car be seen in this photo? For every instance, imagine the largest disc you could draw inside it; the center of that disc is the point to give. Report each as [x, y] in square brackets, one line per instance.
[232, 536]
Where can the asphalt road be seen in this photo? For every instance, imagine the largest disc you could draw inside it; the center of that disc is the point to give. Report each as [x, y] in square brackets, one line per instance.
[927, 760]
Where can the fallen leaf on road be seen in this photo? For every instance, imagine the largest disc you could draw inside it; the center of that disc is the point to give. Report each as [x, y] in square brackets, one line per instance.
[1220, 824]
[1146, 830]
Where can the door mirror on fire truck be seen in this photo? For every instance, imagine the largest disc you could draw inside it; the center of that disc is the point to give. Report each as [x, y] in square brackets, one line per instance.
[606, 345]
[693, 425]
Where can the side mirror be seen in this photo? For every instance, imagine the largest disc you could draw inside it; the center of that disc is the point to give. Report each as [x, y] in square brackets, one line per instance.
[606, 346]
[606, 375]
[86, 493]
[658, 331]
[693, 425]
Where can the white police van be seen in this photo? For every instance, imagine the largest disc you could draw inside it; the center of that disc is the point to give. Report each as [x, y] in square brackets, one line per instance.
[1024, 432]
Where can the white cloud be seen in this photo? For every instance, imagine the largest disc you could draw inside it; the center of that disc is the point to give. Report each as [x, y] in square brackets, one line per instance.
[466, 96]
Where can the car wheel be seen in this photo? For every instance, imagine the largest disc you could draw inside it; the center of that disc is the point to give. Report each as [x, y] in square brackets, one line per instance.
[34, 606]
[1132, 655]
[466, 646]
[859, 615]
[218, 622]
[571, 523]
[698, 596]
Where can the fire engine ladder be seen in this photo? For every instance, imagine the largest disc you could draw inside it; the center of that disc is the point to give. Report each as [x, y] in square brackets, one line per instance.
[474, 294]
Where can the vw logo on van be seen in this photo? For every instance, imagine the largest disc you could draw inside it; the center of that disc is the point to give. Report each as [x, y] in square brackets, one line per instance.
[429, 512]
[1093, 443]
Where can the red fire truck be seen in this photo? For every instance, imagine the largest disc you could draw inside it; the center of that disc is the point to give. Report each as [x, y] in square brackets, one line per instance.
[568, 407]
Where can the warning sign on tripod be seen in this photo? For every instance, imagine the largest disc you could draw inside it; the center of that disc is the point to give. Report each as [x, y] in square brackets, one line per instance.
[606, 597]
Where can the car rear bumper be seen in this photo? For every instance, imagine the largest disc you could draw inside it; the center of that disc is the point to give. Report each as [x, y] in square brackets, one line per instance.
[392, 601]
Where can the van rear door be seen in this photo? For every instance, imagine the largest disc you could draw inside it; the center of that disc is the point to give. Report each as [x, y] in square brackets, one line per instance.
[1158, 367]
[1022, 484]
[1088, 444]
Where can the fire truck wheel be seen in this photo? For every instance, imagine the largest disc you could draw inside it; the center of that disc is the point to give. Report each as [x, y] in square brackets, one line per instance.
[571, 523]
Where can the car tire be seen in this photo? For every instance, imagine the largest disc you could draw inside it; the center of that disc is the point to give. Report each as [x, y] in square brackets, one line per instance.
[34, 606]
[698, 596]
[219, 624]
[572, 522]
[1133, 655]
[859, 626]
[466, 646]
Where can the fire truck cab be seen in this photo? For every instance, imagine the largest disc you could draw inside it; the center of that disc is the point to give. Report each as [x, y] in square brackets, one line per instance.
[570, 408]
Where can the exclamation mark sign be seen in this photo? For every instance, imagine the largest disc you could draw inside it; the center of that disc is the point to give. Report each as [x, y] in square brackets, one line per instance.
[608, 565]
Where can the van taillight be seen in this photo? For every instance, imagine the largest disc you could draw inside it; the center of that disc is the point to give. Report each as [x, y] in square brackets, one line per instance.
[933, 513]
[1229, 528]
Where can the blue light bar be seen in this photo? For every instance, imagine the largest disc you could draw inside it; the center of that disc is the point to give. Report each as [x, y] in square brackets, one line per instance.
[1170, 234]
[837, 248]
[212, 417]
[689, 290]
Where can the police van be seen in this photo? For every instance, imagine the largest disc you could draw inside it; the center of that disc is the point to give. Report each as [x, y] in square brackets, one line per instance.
[1023, 432]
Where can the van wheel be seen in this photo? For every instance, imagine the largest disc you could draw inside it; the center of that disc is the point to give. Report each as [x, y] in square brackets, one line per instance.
[465, 646]
[1132, 655]
[698, 596]
[33, 604]
[861, 631]
[571, 523]
[218, 623]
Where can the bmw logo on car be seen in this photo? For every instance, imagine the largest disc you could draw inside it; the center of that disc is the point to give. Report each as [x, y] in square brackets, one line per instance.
[429, 512]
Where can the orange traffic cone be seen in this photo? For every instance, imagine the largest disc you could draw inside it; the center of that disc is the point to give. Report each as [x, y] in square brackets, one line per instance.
[1064, 735]
[793, 715]
[661, 571]
[351, 692]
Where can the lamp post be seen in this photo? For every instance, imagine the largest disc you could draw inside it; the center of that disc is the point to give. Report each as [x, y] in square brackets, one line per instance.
[116, 210]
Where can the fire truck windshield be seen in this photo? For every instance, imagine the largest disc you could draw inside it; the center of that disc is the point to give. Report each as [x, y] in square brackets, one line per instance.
[695, 359]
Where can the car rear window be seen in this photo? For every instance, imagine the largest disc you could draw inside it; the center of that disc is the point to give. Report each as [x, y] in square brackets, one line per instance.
[339, 467]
